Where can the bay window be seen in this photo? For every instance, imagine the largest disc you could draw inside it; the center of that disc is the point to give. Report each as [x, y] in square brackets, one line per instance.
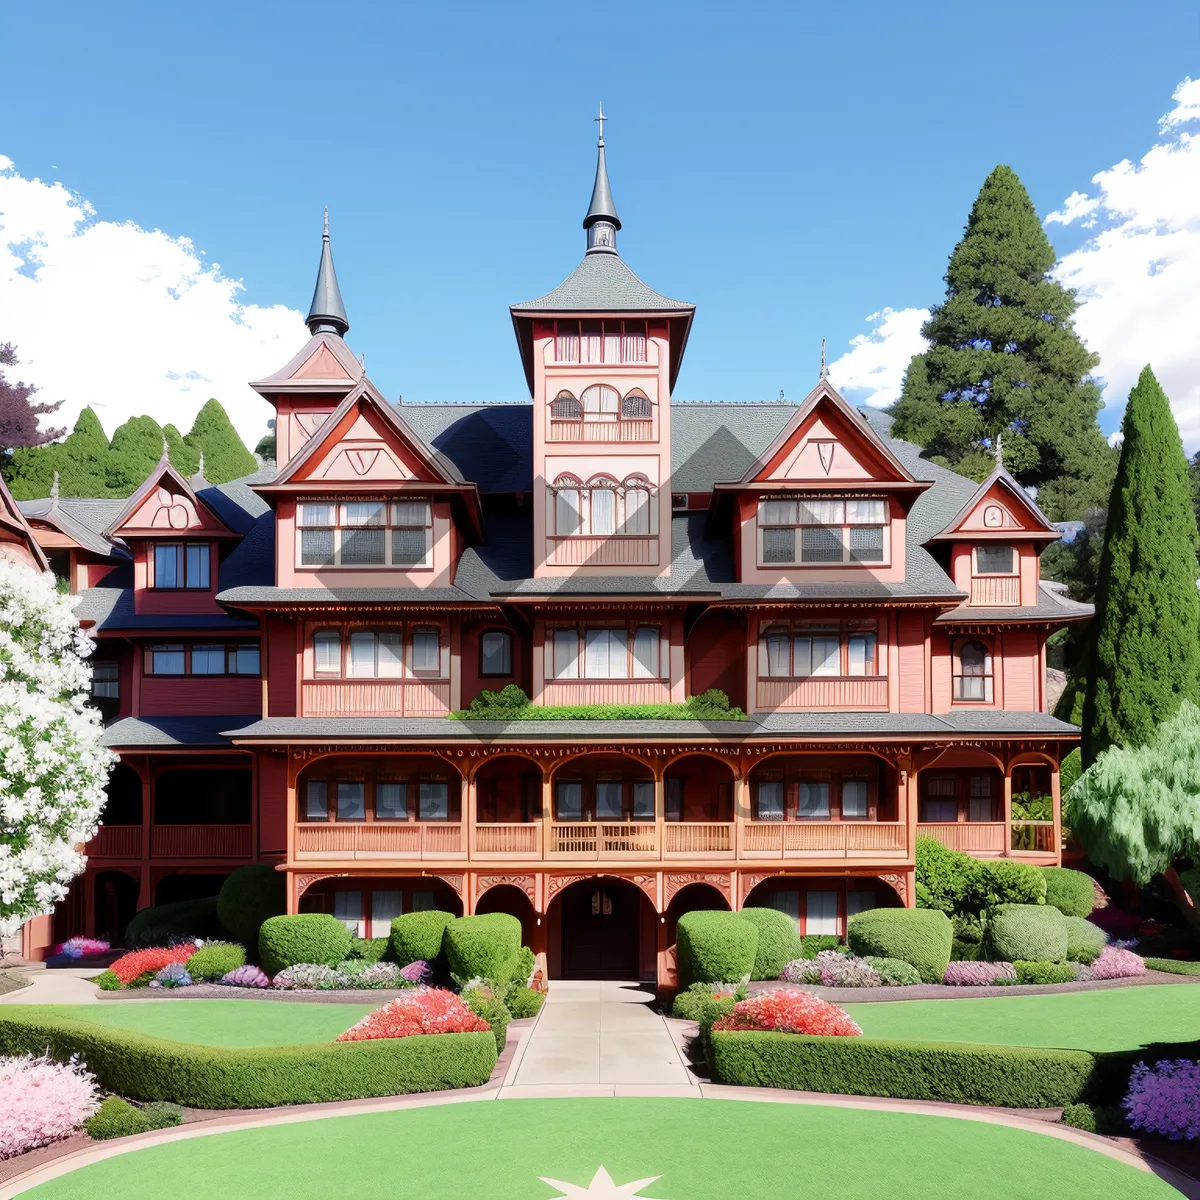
[365, 533]
[602, 508]
[179, 565]
[822, 531]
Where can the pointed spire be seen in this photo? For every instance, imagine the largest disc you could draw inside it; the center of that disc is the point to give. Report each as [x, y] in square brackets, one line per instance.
[824, 368]
[601, 221]
[327, 314]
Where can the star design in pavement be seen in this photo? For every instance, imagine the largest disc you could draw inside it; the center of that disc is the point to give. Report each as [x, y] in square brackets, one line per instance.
[601, 1186]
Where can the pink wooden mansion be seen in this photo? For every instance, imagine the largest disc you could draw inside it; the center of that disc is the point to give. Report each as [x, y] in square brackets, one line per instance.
[278, 656]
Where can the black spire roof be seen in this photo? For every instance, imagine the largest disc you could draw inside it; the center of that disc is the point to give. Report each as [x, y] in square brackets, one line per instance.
[602, 221]
[327, 313]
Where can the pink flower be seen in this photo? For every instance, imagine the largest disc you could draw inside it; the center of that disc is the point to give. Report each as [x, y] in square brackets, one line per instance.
[420, 1010]
[42, 1101]
[788, 1010]
[1115, 963]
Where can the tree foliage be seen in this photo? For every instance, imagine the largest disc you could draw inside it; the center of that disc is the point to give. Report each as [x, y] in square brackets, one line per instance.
[135, 450]
[1005, 361]
[1144, 656]
[225, 456]
[18, 413]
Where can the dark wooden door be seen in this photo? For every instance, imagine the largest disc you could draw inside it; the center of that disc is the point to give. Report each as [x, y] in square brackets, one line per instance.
[600, 931]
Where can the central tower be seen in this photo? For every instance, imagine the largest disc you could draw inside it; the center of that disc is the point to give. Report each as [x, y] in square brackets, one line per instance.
[601, 353]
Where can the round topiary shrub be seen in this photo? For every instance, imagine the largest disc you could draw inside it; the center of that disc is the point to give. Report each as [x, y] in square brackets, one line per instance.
[168, 924]
[1071, 892]
[418, 936]
[250, 896]
[1085, 941]
[214, 960]
[921, 937]
[778, 941]
[1002, 881]
[303, 938]
[715, 947]
[1029, 932]
[486, 946]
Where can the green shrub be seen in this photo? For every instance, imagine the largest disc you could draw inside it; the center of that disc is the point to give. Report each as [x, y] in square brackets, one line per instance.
[368, 950]
[1007, 1076]
[484, 1002]
[778, 941]
[1031, 932]
[895, 973]
[484, 947]
[715, 947]
[419, 935]
[1085, 941]
[1043, 972]
[150, 1068]
[511, 704]
[215, 959]
[968, 938]
[169, 924]
[1069, 772]
[946, 879]
[524, 1002]
[106, 981]
[1003, 881]
[1174, 966]
[813, 943]
[249, 897]
[118, 1118]
[700, 1002]
[526, 965]
[303, 938]
[1071, 892]
[920, 937]
[1080, 1116]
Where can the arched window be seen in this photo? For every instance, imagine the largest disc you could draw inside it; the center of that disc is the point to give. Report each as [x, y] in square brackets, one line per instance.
[636, 406]
[564, 407]
[602, 505]
[568, 506]
[638, 507]
[973, 672]
[600, 403]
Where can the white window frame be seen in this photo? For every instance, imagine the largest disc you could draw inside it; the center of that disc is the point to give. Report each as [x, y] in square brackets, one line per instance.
[800, 512]
[395, 514]
[580, 651]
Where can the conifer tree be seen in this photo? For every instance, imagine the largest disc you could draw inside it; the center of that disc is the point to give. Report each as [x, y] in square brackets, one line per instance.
[135, 449]
[81, 463]
[1005, 361]
[1144, 656]
[184, 457]
[225, 454]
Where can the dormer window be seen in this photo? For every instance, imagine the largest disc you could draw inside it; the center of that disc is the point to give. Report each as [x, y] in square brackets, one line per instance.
[813, 532]
[181, 565]
[365, 533]
[995, 560]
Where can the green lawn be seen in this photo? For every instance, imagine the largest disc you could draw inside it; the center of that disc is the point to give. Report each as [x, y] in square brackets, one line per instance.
[700, 1149]
[1122, 1019]
[221, 1022]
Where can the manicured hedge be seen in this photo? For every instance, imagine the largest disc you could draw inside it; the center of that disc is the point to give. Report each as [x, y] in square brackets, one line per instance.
[369, 950]
[525, 1002]
[1071, 892]
[418, 935]
[168, 924]
[214, 960]
[714, 947]
[921, 937]
[493, 1010]
[778, 941]
[302, 938]
[1030, 932]
[151, 1068]
[1174, 966]
[1085, 941]
[249, 897]
[486, 946]
[1043, 972]
[1009, 1076]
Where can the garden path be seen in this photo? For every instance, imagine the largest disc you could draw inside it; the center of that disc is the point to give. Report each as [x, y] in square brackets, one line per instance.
[601, 1036]
[66, 985]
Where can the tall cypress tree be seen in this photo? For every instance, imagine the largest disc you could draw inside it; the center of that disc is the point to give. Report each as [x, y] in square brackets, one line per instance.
[225, 454]
[1144, 657]
[1005, 361]
[135, 450]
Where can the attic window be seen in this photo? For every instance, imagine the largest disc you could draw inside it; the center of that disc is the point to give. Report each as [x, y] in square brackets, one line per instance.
[817, 531]
[179, 565]
[995, 560]
[365, 533]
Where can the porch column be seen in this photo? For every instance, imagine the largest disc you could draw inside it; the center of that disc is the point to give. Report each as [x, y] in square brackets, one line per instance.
[143, 888]
[1008, 838]
[471, 813]
[547, 811]
[906, 799]
[293, 893]
[741, 811]
[1056, 794]
[147, 809]
[660, 809]
[466, 807]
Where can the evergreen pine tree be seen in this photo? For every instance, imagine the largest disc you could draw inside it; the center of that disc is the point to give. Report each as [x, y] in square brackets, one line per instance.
[1144, 656]
[135, 449]
[1005, 360]
[225, 455]
[185, 458]
[81, 463]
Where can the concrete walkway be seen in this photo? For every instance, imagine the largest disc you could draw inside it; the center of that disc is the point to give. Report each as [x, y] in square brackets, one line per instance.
[604, 1037]
[66, 985]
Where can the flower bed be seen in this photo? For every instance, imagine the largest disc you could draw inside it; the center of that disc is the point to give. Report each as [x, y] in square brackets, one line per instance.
[788, 1010]
[139, 965]
[42, 1101]
[1165, 1099]
[82, 947]
[423, 1010]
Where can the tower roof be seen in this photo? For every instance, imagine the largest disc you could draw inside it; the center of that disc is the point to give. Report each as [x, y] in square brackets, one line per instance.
[327, 313]
[602, 206]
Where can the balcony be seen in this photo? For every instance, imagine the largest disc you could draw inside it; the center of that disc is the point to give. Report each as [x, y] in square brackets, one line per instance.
[381, 839]
[873, 840]
[628, 429]
[850, 692]
[995, 839]
[610, 550]
[402, 698]
[174, 842]
[116, 841]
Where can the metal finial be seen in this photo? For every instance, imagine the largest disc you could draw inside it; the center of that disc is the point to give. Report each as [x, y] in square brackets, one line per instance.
[326, 232]
[998, 448]
[600, 122]
[824, 368]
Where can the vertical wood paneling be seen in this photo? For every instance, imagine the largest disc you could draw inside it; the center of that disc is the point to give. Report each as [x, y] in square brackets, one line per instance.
[911, 631]
[996, 591]
[1020, 670]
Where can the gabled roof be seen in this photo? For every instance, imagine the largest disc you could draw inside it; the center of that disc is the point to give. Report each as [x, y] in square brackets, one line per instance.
[12, 519]
[323, 365]
[83, 519]
[1000, 478]
[165, 477]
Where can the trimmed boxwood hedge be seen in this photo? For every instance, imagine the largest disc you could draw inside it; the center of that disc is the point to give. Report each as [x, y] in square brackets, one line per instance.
[961, 1073]
[1030, 932]
[118, 1118]
[1043, 972]
[1071, 892]
[418, 936]
[486, 946]
[151, 1068]
[714, 947]
[921, 937]
[524, 1002]
[302, 938]
[168, 924]
[250, 896]
[215, 959]
[1085, 941]
[778, 941]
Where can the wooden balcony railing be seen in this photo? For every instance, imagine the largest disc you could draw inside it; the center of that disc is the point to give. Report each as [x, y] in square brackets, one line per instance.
[628, 429]
[698, 839]
[508, 841]
[116, 841]
[381, 839]
[376, 698]
[994, 838]
[823, 839]
[855, 692]
[996, 591]
[593, 839]
[613, 550]
[201, 841]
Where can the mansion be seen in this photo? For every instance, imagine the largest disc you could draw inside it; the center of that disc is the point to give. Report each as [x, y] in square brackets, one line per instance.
[280, 658]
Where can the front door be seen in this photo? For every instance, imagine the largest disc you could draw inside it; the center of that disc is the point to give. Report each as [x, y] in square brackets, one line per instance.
[600, 931]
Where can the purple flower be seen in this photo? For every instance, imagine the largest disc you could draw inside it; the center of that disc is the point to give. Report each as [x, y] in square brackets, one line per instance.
[247, 976]
[1165, 1100]
[978, 974]
[416, 972]
[1115, 963]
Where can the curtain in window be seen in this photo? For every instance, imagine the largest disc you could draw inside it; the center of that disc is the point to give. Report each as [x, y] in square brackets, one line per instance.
[822, 512]
[600, 402]
[362, 655]
[391, 655]
[604, 510]
[386, 905]
[348, 908]
[426, 650]
[391, 801]
[854, 799]
[606, 654]
[568, 800]
[316, 801]
[769, 800]
[994, 560]
[167, 567]
[567, 512]
[167, 660]
[433, 800]
[818, 654]
[979, 806]
[777, 653]
[785, 902]
[496, 648]
[244, 660]
[197, 566]
[208, 660]
[864, 512]
[608, 799]
[941, 803]
[821, 912]
[814, 799]
[327, 651]
[645, 652]
[566, 654]
[637, 510]
[351, 804]
[861, 649]
[777, 512]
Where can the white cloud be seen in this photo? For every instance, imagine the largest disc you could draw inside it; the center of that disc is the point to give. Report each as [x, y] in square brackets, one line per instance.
[878, 360]
[126, 319]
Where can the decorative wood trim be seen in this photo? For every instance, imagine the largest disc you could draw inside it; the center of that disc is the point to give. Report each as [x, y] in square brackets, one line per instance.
[898, 883]
[527, 884]
[454, 882]
[304, 882]
[674, 883]
[749, 880]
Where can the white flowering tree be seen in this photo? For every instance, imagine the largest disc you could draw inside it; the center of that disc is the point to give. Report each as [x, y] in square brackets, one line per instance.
[53, 767]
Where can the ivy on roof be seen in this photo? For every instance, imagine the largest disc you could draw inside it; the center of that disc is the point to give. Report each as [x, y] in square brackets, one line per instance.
[512, 704]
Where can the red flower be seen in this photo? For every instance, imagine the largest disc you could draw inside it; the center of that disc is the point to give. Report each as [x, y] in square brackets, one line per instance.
[129, 966]
[419, 1010]
[788, 1010]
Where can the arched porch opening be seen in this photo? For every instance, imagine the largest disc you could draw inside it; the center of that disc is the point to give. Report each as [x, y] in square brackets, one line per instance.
[602, 788]
[822, 904]
[201, 795]
[507, 898]
[601, 928]
[960, 802]
[696, 897]
[367, 904]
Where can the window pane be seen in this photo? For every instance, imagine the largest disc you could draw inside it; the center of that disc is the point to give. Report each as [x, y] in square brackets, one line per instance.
[409, 547]
[167, 660]
[167, 572]
[786, 902]
[814, 799]
[606, 654]
[826, 656]
[566, 654]
[316, 514]
[637, 510]
[777, 512]
[327, 651]
[424, 901]
[362, 655]
[860, 901]
[820, 912]
[197, 566]
[821, 512]
[362, 547]
[362, 512]
[608, 799]
[769, 798]
[426, 650]
[316, 547]
[391, 801]
[604, 509]
[351, 804]
[821, 543]
[866, 543]
[496, 647]
[804, 656]
[390, 649]
[410, 512]
[854, 799]
[433, 800]
[347, 907]
[244, 660]
[106, 683]
[567, 520]
[979, 806]
[600, 400]
[316, 803]
[940, 803]
[643, 800]
[994, 560]
[208, 660]
[777, 655]
[386, 905]
[864, 512]
[779, 545]
[568, 800]
[861, 648]
[645, 652]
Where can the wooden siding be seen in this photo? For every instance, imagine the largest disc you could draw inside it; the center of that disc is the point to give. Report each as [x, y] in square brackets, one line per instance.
[612, 551]
[193, 695]
[374, 698]
[911, 630]
[860, 692]
[996, 591]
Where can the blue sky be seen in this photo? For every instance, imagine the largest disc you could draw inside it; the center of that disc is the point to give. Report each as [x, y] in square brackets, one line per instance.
[789, 169]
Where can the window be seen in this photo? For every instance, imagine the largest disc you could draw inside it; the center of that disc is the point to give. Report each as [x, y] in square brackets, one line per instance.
[941, 800]
[860, 900]
[600, 403]
[804, 649]
[611, 341]
[817, 653]
[643, 800]
[327, 652]
[995, 560]
[495, 650]
[244, 660]
[568, 508]
[830, 531]
[979, 806]
[608, 800]
[386, 905]
[564, 406]
[821, 912]
[106, 681]
[601, 508]
[778, 652]
[637, 507]
[376, 655]
[854, 799]
[814, 800]
[208, 660]
[426, 652]
[348, 908]
[365, 533]
[566, 654]
[316, 800]
[636, 406]
[972, 665]
[203, 659]
[768, 800]
[391, 801]
[645, 652]
[179, 565]
[568, 800]
[433, 800]
[351, 801]
[606, 654]
[786, 902]
[167, 660]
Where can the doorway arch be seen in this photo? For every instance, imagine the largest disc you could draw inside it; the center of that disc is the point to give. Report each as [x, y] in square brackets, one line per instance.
[601, 928]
